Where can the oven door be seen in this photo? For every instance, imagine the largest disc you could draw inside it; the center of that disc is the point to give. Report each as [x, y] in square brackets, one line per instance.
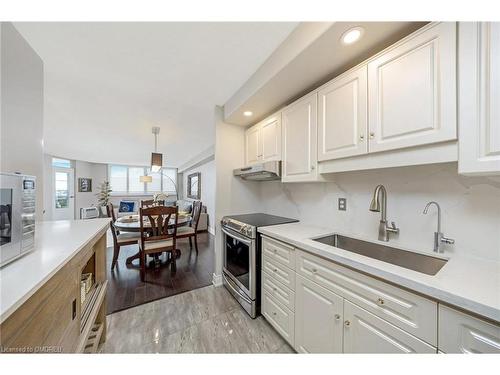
[10, 218]
[240, 261]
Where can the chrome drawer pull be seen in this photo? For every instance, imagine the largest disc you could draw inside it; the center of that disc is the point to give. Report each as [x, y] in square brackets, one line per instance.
[275, 270]
[337, 317]
[347, 323]
[380, 301]
[274, 313]
[314, 270]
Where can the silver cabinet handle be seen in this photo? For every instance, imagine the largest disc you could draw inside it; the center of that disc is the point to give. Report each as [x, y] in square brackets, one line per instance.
[314, 270]
[313, 167]
[380, 301]
[275, 270]
[274, 313]
[347, 323]
[362, 137]
[337, 317]
[274, 289]
[372, 135]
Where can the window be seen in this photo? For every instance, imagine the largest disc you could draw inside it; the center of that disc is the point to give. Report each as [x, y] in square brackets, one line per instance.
[118, 178]
[134, 184]
[62, 190]
[155, 185]
[61, 163]
[126, 180]
[169, 180]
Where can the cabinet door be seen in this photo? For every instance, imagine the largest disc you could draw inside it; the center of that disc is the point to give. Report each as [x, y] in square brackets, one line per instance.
[253, 145]
[479, 95]
[462, 333]
[300, 157]
[342, 116]
[366, 333]
[318, 318]
[412, 91]
[271, 138]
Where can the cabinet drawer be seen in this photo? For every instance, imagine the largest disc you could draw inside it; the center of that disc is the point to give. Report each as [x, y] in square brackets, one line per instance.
[278, 251]
[462, 333]
[280, 292]
[367, 333]
[413, 313]
[278, 271]
[279, 317]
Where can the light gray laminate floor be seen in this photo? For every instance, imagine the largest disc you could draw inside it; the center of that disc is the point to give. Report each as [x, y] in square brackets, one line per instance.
[205, 320]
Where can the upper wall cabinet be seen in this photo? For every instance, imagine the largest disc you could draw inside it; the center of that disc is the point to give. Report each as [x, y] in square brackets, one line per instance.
[479, 98]
[412, 90]
[342, 116]
[263, 141]
[300, 129]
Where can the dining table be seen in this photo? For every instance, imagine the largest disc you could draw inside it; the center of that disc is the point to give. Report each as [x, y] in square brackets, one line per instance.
[131, 223]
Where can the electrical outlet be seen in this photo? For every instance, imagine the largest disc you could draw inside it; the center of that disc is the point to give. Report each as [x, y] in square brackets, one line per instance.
[342, 204]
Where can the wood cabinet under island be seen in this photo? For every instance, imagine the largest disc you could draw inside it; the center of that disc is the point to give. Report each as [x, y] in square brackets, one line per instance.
[44, 306]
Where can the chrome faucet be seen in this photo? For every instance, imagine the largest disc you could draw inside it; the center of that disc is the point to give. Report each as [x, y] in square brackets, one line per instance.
[379, 204]
[439, 237]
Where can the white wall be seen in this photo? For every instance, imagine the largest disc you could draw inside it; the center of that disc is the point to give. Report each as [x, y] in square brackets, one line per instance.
[207, 171]
[98, 173]
[21, 124]
[470, 206]
[233, 196]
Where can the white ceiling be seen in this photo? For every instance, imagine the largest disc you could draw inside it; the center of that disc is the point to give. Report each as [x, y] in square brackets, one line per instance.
[312, 55]
[107, 84]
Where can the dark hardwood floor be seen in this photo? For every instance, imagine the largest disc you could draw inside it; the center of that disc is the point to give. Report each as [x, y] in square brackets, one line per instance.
[126, 290]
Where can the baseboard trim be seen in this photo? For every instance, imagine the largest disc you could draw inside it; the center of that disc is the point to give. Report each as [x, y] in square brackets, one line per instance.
[217, 280]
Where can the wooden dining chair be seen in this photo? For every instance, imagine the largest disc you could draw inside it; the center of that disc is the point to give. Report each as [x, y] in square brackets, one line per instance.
[159, 236]
[119, 239]
[148, 203]
[191, 231]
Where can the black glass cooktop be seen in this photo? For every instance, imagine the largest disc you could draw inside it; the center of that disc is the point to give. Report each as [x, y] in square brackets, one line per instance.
[262, 220]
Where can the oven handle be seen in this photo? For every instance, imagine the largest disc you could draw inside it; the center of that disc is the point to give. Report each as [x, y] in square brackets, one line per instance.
[235, 289]
[246, 241]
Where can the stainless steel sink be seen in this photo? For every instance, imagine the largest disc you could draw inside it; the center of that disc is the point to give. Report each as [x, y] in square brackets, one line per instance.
[414, 261]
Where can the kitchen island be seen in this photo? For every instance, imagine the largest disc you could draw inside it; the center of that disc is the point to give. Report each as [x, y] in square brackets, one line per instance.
[44, 307]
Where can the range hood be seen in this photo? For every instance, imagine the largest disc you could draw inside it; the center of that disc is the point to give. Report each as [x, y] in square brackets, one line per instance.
[268, 171]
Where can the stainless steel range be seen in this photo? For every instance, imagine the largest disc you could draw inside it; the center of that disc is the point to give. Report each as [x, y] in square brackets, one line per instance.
[242, 256]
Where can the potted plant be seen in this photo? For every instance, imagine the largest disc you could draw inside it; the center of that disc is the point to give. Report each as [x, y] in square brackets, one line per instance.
[103, 197]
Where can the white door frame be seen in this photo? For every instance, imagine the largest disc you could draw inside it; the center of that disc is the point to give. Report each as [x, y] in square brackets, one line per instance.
[67, 213]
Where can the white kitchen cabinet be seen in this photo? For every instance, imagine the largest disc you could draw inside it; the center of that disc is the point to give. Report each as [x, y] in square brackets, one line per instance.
[318, 318]
[281, 318]
[299, 135]
[479, 98]
[263, 141]
[342, 116]
[463, 333]
[411, 312]
[253, 145]
[367, 333]
[412, 90]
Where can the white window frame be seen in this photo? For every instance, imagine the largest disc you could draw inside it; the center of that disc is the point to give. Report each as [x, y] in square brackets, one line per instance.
[145, 171]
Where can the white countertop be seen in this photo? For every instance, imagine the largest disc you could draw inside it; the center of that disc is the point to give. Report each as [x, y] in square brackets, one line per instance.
[56, 242]
[469, 283]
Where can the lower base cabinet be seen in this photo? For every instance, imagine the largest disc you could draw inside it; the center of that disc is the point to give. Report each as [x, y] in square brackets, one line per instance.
[463, 333]
[366, 333]
[279, 317]
[318, 318]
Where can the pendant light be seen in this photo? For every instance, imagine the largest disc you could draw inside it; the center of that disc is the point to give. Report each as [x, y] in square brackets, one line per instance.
[156, 157]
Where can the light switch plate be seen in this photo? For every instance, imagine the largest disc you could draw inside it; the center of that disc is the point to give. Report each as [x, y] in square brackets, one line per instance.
[342, 204]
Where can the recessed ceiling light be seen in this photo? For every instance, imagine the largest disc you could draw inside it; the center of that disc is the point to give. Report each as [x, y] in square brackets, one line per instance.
[247, 113]
[352, 35]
